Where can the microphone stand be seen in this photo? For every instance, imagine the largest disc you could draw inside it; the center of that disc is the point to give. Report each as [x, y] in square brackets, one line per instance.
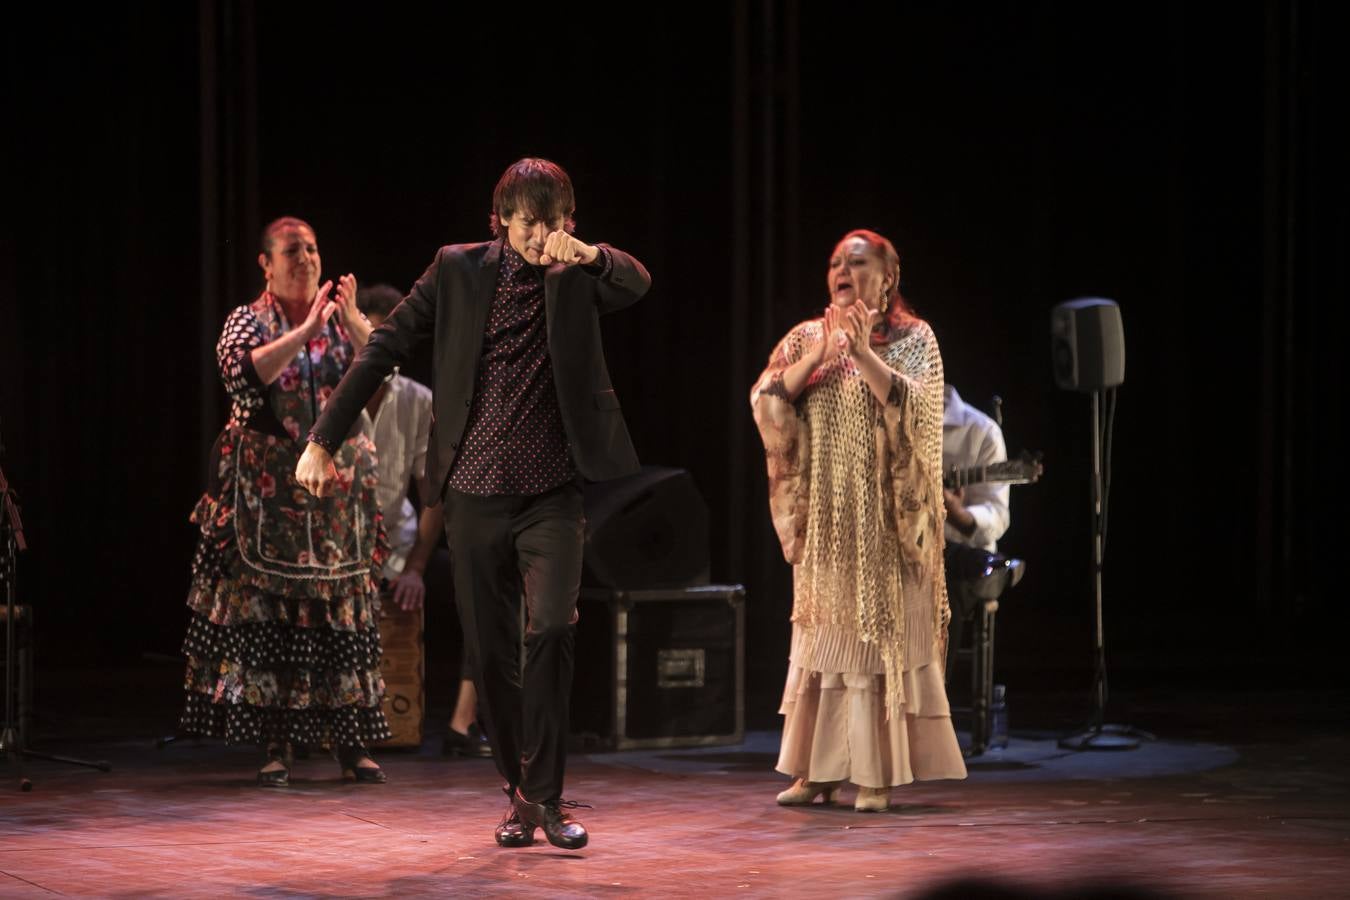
[13, 733]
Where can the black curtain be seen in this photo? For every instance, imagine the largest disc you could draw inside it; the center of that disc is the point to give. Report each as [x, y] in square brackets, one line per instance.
[1186, 164]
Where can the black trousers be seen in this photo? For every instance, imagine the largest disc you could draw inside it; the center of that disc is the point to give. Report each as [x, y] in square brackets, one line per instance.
[501, 547]
[963, 563]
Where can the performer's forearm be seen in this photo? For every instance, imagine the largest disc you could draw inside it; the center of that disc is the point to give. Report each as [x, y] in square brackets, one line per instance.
[796, 376]
[626, 283]
[410, 321]
[358, 330]
[960, 518]
[875, 372]
[270, 360]
[430, 525]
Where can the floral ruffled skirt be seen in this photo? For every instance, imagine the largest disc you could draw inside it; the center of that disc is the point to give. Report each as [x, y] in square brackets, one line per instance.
[284, 641]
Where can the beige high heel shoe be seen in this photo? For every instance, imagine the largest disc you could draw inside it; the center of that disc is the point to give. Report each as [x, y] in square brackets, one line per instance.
[873, 799]
[803, 792]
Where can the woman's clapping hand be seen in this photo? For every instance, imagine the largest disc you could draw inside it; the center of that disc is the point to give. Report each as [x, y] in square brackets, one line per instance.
[844, 330]
[827, 348]
[346, 299]
[854, 334]
[319, 312]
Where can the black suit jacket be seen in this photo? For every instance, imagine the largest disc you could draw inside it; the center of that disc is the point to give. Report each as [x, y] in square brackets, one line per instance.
[450, 304]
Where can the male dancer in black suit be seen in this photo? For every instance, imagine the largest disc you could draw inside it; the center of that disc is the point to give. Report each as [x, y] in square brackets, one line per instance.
[523, 410]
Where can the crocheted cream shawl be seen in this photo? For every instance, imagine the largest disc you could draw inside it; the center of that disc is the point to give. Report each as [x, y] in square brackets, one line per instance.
[855, 492]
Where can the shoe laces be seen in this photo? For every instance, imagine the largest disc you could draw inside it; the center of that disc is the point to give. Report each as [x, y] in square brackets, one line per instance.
[510, 806]
[572, 804]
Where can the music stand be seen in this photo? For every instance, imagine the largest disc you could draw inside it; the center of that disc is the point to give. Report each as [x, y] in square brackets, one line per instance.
[13, 739]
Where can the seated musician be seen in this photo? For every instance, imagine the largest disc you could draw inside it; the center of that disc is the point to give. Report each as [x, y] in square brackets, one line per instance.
[977, 514]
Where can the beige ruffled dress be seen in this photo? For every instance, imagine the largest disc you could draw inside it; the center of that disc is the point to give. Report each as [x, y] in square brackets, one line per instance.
[855, 491]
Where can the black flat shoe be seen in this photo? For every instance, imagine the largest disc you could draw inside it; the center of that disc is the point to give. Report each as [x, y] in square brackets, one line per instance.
[274, 778]
[348, 757]
[559, 827]
[474, 744]
[280, 753]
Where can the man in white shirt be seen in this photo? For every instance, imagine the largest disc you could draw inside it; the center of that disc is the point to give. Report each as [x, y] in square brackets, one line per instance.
[398, 419]
[977, 515]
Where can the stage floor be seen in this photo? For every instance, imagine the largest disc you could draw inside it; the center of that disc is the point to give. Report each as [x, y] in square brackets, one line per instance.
[1193, 816]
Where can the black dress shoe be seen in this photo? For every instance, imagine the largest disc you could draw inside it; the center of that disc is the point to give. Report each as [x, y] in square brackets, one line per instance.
[559, 827]
[472, 744]
[511, 832]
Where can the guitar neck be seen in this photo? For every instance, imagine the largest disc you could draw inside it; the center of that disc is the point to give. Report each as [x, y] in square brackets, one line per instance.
[993, 473]
[968, 475]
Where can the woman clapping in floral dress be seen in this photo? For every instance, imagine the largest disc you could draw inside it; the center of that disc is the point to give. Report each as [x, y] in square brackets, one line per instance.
[283, 648]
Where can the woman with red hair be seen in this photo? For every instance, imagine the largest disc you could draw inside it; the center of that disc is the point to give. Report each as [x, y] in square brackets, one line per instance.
[850, 411]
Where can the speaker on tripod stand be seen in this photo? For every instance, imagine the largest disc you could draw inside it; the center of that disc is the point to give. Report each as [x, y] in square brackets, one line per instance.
[1087, 343]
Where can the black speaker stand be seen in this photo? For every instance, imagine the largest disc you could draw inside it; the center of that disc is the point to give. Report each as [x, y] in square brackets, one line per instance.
[1098, 735]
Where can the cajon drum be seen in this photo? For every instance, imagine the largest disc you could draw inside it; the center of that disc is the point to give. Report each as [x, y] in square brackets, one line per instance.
[403, 668]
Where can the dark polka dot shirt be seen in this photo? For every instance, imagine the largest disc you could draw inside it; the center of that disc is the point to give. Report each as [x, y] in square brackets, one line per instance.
[514, 441]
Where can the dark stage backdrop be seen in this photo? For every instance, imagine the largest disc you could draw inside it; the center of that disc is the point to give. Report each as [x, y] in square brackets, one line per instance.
[1186, 164]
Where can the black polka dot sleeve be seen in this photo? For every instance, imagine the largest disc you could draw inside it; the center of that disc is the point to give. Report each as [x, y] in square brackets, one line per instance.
[242, 332]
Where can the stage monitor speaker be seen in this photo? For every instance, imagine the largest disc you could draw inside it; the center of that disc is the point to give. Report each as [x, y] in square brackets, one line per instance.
[1087, 343]
[659, 668]
[648, 530]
